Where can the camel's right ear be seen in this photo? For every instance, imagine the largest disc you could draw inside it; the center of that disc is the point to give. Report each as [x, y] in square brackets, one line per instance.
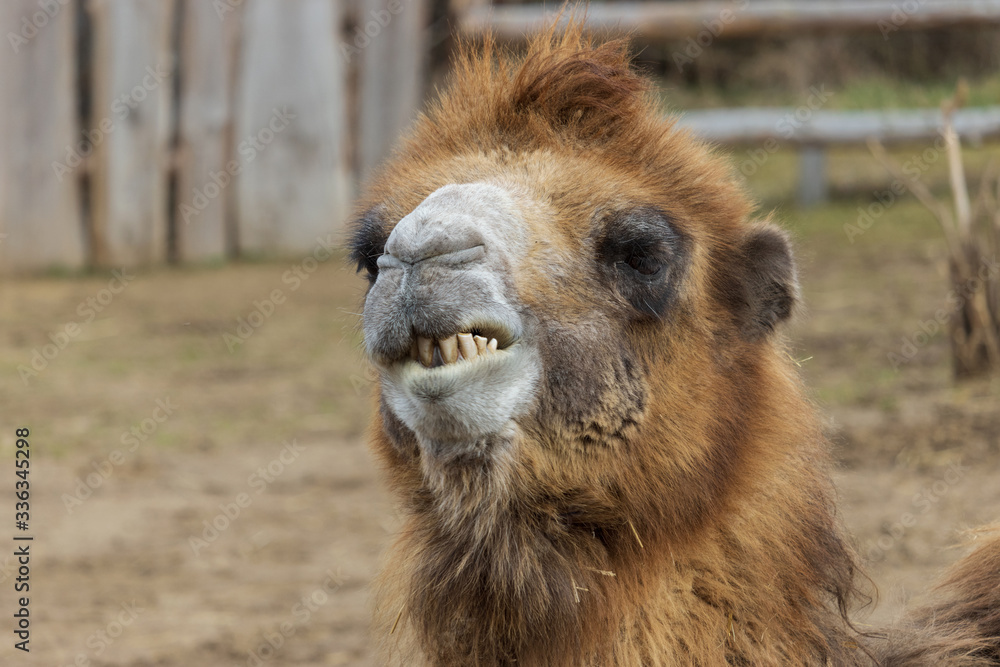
[769, 282]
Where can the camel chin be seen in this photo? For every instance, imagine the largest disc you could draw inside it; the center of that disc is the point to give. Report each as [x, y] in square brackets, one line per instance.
[456, 360]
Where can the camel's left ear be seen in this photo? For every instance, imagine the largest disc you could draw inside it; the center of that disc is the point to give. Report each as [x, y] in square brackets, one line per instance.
[769, 282]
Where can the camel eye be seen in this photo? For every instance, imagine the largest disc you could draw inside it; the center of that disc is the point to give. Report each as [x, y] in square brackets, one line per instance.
[647, 266]
[368, 243]
[642, 255]
[367, 261]
[371, 267]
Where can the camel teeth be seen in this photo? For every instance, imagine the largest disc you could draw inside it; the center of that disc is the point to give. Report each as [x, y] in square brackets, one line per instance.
[467, 346]
[460, 347]
[425, 350]
[449, 349]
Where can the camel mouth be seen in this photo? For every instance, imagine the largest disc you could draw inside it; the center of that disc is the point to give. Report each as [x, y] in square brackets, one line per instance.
[462, 345]
[469, 390]
[443, 378]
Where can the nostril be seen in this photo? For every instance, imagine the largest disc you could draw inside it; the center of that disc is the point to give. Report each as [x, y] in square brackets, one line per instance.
[452, 258]
[387, 261]
[457, 257]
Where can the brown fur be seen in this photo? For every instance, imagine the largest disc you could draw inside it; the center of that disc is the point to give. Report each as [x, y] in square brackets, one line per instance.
[671, 443]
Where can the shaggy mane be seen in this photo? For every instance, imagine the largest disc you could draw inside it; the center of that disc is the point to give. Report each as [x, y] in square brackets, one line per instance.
[564, 87]
[593, 90]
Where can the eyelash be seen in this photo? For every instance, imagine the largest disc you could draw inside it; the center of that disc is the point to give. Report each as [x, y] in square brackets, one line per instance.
[371, 266]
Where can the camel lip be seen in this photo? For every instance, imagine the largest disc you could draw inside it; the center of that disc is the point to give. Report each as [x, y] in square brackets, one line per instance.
[465, 400]
[414, 369]
[440, 383]
[454, 369]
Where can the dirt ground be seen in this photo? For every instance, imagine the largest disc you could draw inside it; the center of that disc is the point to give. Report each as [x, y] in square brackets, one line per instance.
[160, 418]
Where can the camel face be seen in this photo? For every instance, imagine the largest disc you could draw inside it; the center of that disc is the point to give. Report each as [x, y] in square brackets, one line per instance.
[572, 294]
[549, 209]
[443, 321]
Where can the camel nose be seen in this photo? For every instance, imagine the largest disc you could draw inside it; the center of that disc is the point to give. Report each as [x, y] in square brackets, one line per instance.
[439, 234]
[446, 268]
[447, 227]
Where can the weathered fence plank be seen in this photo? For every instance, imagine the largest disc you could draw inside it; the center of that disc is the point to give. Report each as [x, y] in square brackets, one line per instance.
[40, 221]
[291, 126]
[738, 18]
[391, 43]
[130, 126]
[206, 169]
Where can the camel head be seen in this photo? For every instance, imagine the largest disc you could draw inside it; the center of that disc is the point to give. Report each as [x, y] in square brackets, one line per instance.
[572, 313]
[557, 273]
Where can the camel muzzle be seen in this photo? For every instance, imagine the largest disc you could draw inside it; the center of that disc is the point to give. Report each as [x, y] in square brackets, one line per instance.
[441, 322]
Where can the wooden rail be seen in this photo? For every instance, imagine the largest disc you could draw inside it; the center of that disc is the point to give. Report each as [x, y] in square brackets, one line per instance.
[803, 126]
[737, 18]
[812, 131]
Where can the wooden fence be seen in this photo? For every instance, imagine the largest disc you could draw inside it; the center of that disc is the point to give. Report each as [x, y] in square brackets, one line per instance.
[140, 130]
[137, 131]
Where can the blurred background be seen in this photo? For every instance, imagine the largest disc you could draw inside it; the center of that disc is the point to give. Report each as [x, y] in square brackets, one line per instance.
[180, 325]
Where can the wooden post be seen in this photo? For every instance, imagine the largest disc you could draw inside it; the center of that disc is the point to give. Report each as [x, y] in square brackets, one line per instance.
[812, 175]
[290, 126]
[40, 162]
[130, 125]
[207, 170]
[392, 35]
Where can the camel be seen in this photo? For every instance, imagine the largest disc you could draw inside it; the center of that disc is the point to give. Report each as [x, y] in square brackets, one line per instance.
[601, 449]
